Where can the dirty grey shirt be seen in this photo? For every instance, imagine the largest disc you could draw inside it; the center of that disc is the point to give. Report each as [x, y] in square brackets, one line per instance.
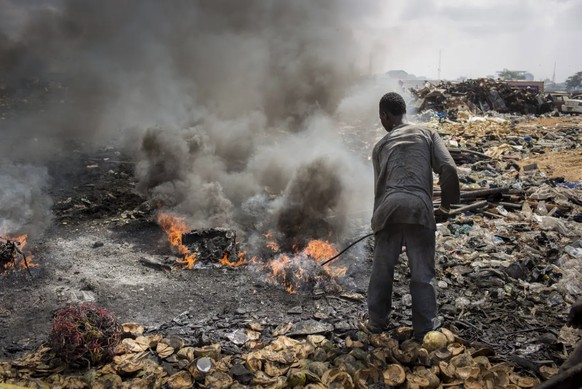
[403, 164]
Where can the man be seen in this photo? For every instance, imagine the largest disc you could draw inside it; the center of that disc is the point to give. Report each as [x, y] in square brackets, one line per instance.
[574, 321]
[403, 213]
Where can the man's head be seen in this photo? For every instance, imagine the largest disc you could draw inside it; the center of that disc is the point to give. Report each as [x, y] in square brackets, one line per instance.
[392, 109]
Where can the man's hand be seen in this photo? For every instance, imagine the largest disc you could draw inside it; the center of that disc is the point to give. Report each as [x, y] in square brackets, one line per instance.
[441, 214]
[575, 315]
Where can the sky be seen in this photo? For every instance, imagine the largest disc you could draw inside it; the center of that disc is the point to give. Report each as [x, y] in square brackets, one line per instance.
[479, 37]
[475, 38]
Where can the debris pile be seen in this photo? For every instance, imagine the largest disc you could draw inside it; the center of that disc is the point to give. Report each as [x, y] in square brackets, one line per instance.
[11, 255]
[515, 254]
[212, 244]
[285, 357]
[84, 335]
[479, 96]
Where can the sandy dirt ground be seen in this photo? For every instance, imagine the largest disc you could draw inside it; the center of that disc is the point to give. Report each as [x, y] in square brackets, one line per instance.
[557, 161]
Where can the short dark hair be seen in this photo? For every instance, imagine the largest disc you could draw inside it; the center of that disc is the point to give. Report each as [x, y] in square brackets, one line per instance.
[394, 103]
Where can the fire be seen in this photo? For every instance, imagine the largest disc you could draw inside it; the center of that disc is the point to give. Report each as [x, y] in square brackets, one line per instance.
[241, 260]
[175, 227]
[15, 258]
[291, 270]
[320, 250]
[280, 267]
[271, 242]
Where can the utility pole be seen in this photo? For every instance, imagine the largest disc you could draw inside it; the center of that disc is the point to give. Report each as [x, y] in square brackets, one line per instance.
[439, 69]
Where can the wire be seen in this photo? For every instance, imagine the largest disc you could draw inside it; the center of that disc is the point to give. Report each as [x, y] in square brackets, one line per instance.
[346, 249]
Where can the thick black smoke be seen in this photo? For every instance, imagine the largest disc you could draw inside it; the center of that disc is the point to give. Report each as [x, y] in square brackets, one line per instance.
[220, 101]
[311, 196]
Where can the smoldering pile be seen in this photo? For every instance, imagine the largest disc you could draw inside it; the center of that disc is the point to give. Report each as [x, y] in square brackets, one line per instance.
[283, 189]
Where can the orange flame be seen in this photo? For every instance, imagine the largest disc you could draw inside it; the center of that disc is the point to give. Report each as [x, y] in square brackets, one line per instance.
[278, 266]
[271, 242]
[320, 250]
[241, 260]
[288, 269]
[175, 227]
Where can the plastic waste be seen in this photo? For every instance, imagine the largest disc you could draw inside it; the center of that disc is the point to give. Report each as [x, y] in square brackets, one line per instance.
[541, 208]
[462, 302]
[502, 211]
[204, 364]
[576, 252]
[555, 224]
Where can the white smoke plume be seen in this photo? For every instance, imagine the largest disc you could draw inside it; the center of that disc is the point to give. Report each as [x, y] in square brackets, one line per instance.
[228, 106]
[24, 204]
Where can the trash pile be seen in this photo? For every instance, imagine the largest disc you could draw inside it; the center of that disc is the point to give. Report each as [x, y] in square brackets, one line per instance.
[479, 96]
[285, 357]
[516, 252]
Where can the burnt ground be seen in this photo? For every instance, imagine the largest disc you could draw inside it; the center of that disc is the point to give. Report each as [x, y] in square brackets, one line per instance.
[92, 254]
[102, 229]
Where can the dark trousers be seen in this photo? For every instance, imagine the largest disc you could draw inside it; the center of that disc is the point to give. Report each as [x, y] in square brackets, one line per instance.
[420, 250]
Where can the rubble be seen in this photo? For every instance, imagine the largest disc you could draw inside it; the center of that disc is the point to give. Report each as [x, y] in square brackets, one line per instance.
[479, 96]
[212, 244]
[521, 249]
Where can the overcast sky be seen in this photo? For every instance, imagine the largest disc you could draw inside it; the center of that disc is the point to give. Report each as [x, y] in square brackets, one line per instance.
[475, 37]
[479, 37]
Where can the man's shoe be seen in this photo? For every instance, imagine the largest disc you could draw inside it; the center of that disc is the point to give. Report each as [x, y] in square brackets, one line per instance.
[436, 324]
[369, 328]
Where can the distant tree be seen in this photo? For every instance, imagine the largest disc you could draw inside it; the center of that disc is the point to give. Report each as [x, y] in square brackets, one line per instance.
[574, 82]
[506, 74]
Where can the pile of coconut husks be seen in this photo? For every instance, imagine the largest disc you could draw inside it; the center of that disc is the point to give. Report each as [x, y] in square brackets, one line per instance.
[280, 359]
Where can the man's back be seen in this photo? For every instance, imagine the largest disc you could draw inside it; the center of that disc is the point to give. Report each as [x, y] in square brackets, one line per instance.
[403, 163]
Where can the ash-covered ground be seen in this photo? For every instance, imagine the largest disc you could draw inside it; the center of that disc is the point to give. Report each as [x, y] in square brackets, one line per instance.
[92, 252]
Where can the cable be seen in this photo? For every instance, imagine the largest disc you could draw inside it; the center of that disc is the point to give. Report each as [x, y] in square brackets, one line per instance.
[346, 249]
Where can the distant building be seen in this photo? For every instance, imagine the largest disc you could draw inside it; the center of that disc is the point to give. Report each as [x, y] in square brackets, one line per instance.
[528, 76]
[400, 75]
[522, 75]
[522, 84]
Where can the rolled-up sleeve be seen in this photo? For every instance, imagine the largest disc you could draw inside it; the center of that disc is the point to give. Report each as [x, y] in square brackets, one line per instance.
[444, 165]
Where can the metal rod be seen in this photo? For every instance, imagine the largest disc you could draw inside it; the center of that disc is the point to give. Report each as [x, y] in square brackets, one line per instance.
[469, 207]
[462, 209]
[346, 249]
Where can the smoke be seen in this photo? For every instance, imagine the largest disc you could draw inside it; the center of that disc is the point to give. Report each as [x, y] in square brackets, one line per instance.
[24, 204]
[227, 106]
[312, 193]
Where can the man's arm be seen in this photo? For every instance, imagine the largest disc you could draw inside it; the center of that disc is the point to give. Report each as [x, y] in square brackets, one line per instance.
[444, 165]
